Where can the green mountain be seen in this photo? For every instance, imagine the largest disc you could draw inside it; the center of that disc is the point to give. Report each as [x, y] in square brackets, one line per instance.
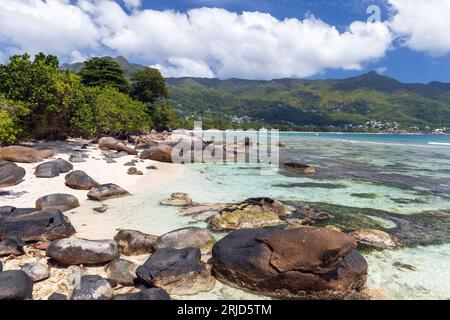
[367, 101]
[127, 67]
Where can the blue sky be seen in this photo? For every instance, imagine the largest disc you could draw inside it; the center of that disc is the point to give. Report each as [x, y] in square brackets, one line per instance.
[254, 39]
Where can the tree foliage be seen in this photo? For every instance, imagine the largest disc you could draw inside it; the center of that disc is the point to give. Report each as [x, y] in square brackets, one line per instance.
[103, 72]
[148, 85]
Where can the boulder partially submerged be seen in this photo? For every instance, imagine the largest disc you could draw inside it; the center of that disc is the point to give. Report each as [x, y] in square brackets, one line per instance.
[178, 199]
[10, 174]
[306, 263]
[299, 168]
[374, 238]
[251, 213]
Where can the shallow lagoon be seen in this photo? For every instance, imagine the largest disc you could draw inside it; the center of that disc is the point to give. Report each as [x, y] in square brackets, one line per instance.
[405, 173]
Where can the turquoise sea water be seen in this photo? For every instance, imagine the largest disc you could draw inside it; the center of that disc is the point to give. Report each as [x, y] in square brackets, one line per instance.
[408, 174]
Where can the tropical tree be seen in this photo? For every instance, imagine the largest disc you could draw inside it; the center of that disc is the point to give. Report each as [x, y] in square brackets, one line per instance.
[148, 85]
[163, 116]
[104, 72]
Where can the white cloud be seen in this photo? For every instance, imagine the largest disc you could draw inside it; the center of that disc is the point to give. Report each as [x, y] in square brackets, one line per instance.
[381, 70]
[423, 24]
[201, 42]
[132, 4]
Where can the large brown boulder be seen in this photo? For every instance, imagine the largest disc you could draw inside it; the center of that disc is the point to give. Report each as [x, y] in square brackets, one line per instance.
[133, 243]
[161, 153]
[15, 285]
[187, 237]
[60, 201]
[114, 144]
[24, 154]
[51, 169]
[79, 180]
[107, 191]
[306, 263]
[36, 226]
[10, 174]
[251, 213]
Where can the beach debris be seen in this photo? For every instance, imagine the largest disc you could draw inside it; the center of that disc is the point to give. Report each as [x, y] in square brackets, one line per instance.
[15, 285]
[93, 287]
[187, 237]
[58, 201]
[101, 209]
[72, 251]
[324, 264]
[122, 271]
[299, 168]
[178, 199]
[25, 154]
[51, 169]
[79, 180]
[133, 243]
[178, 271]
[374, 238]
[36, 271]
[10, 174]
[251, 213]
[147, 294]
[36, 226]
[107, 191]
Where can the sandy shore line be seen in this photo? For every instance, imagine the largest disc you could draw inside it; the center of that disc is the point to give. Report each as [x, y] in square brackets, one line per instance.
[89, 224]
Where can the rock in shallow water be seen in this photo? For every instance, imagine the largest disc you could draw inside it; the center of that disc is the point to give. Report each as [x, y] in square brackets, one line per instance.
[10, 174]
[133, 243]
[36, 271]
[374, 238]
[36, 226]
[309, 263]
[178, 199]
[178, 271]
[15, 285]
[57, 201]
[79, 180]
[187, 237]
[252, 213]
[107, 191]
[93, 288]
[74, 251]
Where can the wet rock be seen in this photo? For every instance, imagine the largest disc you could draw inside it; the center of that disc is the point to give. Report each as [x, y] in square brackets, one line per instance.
[147, 294]
[309, 263]
[24, 154]
[178, 271]
[178, 199]
[36, 271]
[187, 237]
[374, 238]
[122, 271]
[299, 168]
[314, 214]
[365, 195]
[161, 153]
[202, 208]
[107, 191]
[405, 266]
[10, 174]
[134, 172]
[133, 243]
[79, 180]
[36, 226]
[74, 251]
[15, 285]
[57, 201]
[252, 213]
[51, 169]
[57, 296]
[102, 209]
[407, 201]
[11, 246]
[93, 288]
